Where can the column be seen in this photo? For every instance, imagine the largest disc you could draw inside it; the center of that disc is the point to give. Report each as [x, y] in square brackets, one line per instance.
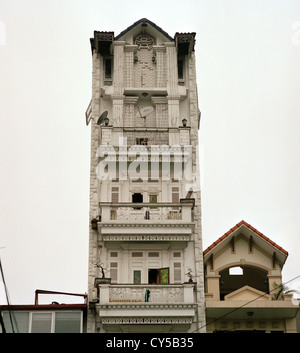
[130, 51]
[118, 84]
[172, 84]
[159, 52]
[160, 111]
[130, 102]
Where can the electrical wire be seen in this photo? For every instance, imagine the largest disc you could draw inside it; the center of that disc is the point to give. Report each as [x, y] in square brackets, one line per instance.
[235, 309]
[7, 299]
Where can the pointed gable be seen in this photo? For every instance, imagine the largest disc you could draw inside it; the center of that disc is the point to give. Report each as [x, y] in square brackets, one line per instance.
[144, 25]
[253, 235]
[247, 293]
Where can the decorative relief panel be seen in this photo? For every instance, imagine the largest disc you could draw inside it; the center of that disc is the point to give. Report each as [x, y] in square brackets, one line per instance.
[144, 41]
[145, 62]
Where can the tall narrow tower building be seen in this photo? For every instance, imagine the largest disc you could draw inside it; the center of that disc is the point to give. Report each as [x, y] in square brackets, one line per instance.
[145, 244]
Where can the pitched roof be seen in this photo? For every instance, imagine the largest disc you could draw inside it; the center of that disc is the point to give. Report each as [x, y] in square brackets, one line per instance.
[238, 225]
[144, 21]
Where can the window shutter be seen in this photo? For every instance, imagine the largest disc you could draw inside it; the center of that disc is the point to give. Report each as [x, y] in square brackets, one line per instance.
[177, 272]
[175, 195]
[114, 272]
[114, 194]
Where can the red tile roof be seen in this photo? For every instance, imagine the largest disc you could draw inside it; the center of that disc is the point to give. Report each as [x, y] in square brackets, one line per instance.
[250, 227]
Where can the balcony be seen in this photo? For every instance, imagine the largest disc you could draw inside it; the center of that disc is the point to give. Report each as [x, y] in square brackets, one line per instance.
[139, 139]
[146, 221]
[139, 213]
[124, 304]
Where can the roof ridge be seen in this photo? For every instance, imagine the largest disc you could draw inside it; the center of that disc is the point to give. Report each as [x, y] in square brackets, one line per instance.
[238, 225]
[144, 20]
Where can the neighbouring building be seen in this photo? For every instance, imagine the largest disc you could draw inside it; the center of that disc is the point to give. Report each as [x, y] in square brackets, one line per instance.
[45, 318]
[244, 289]
[145, 231]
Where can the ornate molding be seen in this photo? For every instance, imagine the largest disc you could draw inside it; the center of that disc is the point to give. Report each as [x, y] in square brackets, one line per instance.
[158, 320]
[144, 41]
[146, 306]
[146, 237]
[147, 225]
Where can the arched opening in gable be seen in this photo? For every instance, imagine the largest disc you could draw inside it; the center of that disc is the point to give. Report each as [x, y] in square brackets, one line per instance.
[235, 277]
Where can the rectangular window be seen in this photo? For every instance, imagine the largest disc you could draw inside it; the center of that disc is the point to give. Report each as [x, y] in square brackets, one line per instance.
[113, 215]
[177, 272]
[44, 322]
[41, 322]
[107, 68]
[114, 272]
[20, 322]
[177, 254]
[153, 198]
[137, 277]
[137, 198]
[175, 196]
[153, 254]
[67, 322]
[180, 64]
[114, 254]
[114, 194]
[137, 254]
[142, 141]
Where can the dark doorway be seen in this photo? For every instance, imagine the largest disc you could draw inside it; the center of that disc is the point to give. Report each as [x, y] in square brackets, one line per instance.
[137, 198]
[158, 275]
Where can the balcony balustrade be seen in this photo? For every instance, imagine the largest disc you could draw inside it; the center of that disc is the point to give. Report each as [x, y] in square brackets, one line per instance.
[134, 294]
[146, 221]
[144, 212]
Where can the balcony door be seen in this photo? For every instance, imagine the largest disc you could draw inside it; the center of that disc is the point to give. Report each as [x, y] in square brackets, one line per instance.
[146, 268]
[159, 275]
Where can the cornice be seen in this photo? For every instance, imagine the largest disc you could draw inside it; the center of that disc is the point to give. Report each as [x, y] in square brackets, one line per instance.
[138, 320]
[145, 237]
[146, 306]
[146, 225]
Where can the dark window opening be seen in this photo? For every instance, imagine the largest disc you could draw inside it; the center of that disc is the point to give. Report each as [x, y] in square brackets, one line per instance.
[137, 198]
[158, 276]
[142, 141]
[108, 67]
[180, 69]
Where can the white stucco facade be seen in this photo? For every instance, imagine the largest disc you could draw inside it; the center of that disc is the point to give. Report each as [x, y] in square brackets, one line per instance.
[145, 230]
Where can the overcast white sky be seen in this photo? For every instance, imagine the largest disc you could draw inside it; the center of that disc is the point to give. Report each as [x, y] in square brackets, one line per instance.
[248, 70]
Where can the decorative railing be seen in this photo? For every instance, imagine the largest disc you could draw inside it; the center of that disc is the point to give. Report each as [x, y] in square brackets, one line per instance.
[137, 293]
[147, 212]
[143, 293]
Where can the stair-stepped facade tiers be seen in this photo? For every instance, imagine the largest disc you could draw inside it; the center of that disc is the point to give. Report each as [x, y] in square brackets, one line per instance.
[145, 245]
